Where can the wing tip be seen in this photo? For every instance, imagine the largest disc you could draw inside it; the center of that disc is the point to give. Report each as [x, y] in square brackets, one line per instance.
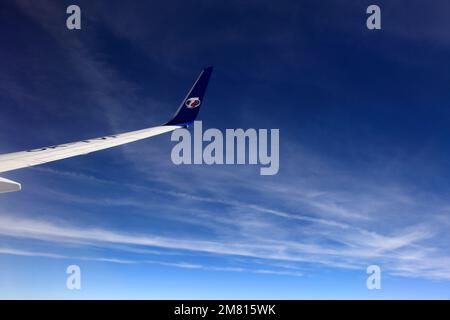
[189, 108]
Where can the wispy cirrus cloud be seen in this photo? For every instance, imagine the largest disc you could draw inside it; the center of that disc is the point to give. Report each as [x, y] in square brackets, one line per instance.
[402, 253]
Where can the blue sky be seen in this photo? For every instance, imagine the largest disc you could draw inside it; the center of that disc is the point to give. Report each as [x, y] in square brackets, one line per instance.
[364, 149]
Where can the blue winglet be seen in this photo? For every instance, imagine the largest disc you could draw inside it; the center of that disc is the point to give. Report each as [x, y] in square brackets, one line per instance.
[189, 108]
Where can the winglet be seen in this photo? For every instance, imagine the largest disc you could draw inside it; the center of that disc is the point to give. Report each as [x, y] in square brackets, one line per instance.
[189, 108]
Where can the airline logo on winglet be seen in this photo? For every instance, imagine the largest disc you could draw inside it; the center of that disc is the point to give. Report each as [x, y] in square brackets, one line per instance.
[192, 103]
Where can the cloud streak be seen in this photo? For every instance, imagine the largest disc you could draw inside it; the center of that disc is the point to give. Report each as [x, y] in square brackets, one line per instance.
[400, 254]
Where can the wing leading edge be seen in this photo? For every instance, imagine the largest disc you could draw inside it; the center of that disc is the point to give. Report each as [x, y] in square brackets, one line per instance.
[185, 115]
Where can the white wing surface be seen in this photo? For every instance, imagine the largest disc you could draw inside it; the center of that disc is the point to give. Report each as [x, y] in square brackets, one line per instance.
[186, 114]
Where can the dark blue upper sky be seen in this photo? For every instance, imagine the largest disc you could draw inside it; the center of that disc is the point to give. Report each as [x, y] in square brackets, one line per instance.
[364, 148]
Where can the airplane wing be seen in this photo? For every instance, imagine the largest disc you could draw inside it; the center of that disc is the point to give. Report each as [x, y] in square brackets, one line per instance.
[185, 115]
